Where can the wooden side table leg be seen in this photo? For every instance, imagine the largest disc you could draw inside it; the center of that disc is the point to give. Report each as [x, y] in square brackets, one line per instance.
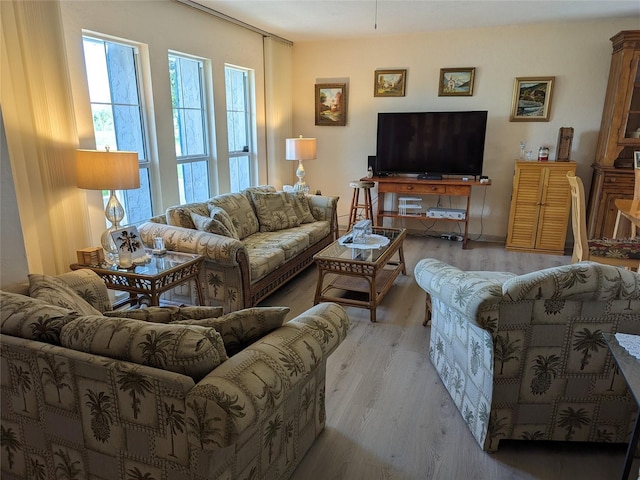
[199, 289]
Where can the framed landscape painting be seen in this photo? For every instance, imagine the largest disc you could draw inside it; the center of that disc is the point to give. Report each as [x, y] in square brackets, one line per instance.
[389, 83]
[456, 82]
[531, 99]
[331, 104]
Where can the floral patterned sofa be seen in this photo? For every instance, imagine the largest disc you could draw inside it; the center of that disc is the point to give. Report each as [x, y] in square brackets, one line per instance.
[119, 396]
[522, 356]
[253, 241]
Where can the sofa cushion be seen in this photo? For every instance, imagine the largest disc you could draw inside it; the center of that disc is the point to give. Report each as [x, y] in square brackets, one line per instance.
[274, 211]
[263, 261]
[291, 241]
[260, 188]
[180, 215]
[301, 206]
[242, 328]
[56, 292]
[316, 231]
[168, 314]
[31, 318]
[187, 349]
[239, 210]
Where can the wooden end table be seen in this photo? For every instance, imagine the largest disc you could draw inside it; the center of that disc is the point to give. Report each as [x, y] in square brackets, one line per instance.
[146, 282]
[360, 272]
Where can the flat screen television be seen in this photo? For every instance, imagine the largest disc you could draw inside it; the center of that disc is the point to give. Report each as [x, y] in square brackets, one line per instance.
[431, 144]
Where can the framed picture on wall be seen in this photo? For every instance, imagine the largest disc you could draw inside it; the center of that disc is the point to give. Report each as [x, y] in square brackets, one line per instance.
[456, 82]
[531, 99]
[636, 159]
[389, 83]
[331, 104]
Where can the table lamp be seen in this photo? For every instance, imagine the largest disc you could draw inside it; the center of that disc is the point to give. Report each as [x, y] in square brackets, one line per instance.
[106, 170]
[300, 149]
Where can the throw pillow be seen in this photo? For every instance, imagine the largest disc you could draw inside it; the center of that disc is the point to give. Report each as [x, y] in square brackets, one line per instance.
[56, 292]
[89, 286]
[211, 225]
[27, 317]
[223, 217]
[180, 215]
[240, 212]
[167, 314]
[301, 207]
[274, 211]
[240, 329]
[185, 349]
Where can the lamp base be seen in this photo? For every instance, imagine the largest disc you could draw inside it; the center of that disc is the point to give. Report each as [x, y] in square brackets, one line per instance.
[301, 187]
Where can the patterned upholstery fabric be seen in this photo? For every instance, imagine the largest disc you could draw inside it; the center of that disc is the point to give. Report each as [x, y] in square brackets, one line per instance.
[241, 212]
[32, 318]
[180, 215]
[242, 328]
[615, 248]
[77, 415]
[523, 356]
[223, 217]
[212, 225]
[89, 286]
[168, 314]
[186, 349]
[301, 206]
[274, 211]
[237, 274]
[56, 292]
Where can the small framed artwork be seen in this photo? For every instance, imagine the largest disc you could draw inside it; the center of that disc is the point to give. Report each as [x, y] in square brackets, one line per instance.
[456, 82]
[128, 240]
[636, 160]
[331, 104]
[531, 99]
[389, 83]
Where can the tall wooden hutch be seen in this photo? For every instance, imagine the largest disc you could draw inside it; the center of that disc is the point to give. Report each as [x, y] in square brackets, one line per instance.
[619, 136]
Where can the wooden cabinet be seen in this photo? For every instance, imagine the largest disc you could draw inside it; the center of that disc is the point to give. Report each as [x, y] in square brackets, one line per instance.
[619, 135]
[540, 207]
[609, 183]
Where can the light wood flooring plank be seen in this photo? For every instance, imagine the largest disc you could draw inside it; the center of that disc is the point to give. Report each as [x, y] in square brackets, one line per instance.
[388, 414]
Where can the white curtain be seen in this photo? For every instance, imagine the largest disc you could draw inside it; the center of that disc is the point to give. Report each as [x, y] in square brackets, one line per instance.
[278, 80]
[41, 134]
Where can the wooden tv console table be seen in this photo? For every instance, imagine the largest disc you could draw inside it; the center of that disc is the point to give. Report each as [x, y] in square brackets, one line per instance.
[414, 186]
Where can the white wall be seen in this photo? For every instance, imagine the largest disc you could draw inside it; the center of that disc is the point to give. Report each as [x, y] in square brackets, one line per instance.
[577, 54]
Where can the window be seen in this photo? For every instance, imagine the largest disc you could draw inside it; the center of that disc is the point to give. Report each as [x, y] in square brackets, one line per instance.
[118, 120]
[190, 127]
[240, 127]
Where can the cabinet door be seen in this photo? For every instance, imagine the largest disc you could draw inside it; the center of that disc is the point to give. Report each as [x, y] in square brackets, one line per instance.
[554, 209]
[525, 207]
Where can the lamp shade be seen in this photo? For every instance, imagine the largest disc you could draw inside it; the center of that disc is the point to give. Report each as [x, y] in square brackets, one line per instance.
[300, 148]
[106, 170]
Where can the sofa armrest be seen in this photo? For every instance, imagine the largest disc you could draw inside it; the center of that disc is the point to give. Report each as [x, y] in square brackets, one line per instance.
[467, 292]
[245, 391]
[219, 249]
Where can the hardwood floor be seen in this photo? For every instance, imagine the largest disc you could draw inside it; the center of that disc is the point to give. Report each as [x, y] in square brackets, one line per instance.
[388, 414]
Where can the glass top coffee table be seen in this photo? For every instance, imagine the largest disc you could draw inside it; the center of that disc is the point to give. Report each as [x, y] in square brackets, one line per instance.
[145, 282]
[360, 277]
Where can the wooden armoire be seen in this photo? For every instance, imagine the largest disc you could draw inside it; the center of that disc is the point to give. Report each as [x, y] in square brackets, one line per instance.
[619, 136]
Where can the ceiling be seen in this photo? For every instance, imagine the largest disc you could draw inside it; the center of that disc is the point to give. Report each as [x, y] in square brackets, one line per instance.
[312, 20]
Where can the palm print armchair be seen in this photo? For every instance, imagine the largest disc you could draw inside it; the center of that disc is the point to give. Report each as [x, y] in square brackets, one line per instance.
[523, 357]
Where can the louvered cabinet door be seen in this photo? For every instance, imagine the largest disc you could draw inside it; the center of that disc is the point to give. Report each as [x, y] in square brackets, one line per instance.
[540, 207]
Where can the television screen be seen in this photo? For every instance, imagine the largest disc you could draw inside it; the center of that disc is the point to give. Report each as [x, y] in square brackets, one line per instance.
[432, 143]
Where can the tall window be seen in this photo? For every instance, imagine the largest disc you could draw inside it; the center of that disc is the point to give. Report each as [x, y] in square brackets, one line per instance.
[240, 126]
[190, 127]
[113, 76]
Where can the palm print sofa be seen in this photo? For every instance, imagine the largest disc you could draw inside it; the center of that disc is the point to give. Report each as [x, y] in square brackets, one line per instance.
[119, 396]
[523, 357]
[253, 241]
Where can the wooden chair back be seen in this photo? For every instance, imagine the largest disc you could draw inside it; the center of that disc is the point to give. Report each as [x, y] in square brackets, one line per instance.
[578, 219]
